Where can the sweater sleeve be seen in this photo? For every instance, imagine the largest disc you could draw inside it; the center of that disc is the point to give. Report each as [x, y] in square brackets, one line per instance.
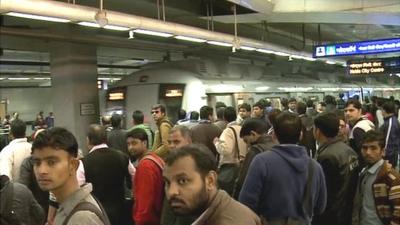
[144, 188]
[253, 184]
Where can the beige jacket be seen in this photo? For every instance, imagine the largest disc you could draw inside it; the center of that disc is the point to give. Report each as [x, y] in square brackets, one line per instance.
[160, 145]
[227, 148]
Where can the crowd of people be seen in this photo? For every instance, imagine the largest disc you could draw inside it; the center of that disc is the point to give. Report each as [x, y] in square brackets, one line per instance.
[255, 164]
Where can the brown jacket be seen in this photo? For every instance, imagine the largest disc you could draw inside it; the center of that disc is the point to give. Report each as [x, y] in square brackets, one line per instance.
[204, 133]
[160, 146]
[224, 210]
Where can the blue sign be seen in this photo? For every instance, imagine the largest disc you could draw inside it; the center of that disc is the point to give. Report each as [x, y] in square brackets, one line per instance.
[357, 48]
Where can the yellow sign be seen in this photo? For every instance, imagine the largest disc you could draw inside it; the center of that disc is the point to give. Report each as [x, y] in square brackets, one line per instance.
[365, 68]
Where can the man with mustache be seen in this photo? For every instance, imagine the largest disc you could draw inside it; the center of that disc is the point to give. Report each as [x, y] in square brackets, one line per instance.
[377, 200]
[191, 188]
[54, 155]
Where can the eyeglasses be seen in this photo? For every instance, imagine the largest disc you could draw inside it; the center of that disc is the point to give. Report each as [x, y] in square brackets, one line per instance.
[155, 111]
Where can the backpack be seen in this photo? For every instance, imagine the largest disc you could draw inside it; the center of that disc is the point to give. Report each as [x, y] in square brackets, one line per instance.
[7, 214]
[87, 206]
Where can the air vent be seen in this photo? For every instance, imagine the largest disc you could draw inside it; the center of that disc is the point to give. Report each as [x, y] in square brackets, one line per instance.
[202, 67]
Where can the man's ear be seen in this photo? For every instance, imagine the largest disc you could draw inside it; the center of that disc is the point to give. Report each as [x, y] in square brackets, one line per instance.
[211, 180]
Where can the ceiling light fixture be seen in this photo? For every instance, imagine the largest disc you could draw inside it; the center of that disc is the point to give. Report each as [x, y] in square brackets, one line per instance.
[330, 62]
[218, 43]
[42, 78]
[264, 51]
[154, 33]
[18, 78]
[37, 17]
[309, 58]
[108, 27]
[281, 54]
[263, 88]
[247, 48]
[192, 39]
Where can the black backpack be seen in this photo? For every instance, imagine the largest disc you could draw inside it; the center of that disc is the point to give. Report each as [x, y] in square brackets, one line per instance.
[7, 214]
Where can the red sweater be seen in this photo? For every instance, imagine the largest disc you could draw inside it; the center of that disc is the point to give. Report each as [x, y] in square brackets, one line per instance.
[148, 191]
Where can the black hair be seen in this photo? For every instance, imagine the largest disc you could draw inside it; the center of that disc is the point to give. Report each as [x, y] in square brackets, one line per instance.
[330, 100]
[273, 114]
[301, 108]
[287, 128]
[159, 106]
[253, 124]
[310, 103]
[18, 128]
[137, 133]
[230, 114]
[245, 106]
[292, 100]
[116, 120]
[219, 105]
[205, 112]
[389, 107]
[220, 113]
[328, 124]
[58, 138]
[138, 117]
[259, 105]
[181, 114]
[356, 104]
[202, 156]
[194, 115]
[373, 135]
[96, 134]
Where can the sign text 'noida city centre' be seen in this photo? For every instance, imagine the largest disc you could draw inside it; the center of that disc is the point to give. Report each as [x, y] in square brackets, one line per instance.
[383, 66]
[357, 48]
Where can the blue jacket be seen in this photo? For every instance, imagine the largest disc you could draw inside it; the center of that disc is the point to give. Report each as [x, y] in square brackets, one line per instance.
[393, 138]
[276, 182]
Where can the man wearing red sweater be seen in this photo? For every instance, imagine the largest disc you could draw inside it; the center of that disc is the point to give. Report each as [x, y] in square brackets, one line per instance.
[148, 184]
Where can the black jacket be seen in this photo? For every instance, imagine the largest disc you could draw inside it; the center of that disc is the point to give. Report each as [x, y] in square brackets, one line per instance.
[106, 170]
[340, 165]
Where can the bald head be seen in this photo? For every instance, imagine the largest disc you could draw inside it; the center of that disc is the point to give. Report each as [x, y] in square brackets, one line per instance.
[96, 134]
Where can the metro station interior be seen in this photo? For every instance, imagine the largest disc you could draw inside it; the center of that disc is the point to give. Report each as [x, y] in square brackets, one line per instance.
[204, 51]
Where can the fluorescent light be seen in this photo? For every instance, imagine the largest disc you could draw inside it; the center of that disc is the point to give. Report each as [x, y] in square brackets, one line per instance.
[2, 78]
[294, 89]
[18, 78]
[309, 59]
[37, 17]
[89, 24]
[154, 33]
[114, 27]
[281, 54]
[41, 78]
[109, 78]
[192, 39]
[263, 88]
[247, 48]
[330, 62]
[297, 56]
[108, 27]
[224, 44]
[264, 51]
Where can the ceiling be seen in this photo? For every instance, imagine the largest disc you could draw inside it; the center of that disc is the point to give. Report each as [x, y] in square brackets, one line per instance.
[293, 24]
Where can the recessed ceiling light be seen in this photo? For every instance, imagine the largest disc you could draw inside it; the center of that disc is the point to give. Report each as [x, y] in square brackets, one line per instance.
[192, 39]
[218, 43]
[154, 33]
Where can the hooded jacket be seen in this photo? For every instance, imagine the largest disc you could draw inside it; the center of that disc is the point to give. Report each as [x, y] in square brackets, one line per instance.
[276, 182]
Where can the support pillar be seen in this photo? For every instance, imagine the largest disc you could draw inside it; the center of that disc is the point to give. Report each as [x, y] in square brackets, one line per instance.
[73, 69]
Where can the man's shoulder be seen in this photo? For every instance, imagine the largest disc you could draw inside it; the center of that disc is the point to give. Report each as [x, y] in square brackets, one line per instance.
[85, 217]
[235, 212]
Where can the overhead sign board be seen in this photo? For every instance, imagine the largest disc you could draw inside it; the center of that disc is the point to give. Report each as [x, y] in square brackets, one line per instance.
[357, 48]
[374, 66]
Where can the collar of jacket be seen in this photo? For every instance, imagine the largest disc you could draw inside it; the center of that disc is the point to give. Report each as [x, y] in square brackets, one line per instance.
[164, 119]
[326, 144]
[383, 172]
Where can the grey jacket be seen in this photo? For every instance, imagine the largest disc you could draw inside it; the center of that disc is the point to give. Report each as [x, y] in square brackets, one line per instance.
[24, 205]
